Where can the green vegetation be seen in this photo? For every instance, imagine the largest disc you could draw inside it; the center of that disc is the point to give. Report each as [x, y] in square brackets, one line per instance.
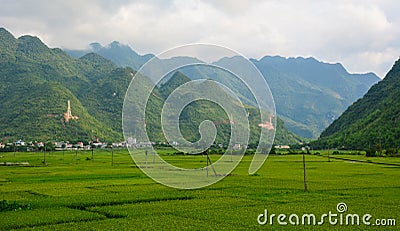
[317, 91]
[310, 94]
[12, 205]
[198, 111]
[75, 192]
[36, 82]
[370, 123]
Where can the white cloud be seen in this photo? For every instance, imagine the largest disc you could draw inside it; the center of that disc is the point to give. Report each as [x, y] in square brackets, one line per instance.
[363, 35]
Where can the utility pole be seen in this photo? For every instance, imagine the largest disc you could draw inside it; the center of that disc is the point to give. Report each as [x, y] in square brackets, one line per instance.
[209, 161]
[154, 157]
[207, 164]
[146, 158]
[329, 157]
[76, 155]
[305, 173]
[112, 155]
[92, 155]
[44, 153]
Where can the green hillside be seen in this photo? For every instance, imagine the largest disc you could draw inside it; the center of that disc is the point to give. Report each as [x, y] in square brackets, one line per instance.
[36, 82]
[372, 121]
[309, 94]
[201, 110]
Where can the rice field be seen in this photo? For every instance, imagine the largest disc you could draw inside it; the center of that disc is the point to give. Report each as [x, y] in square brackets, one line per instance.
[73, 191]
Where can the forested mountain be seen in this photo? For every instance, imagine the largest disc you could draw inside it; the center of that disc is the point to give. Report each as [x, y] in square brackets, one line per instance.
[308, 94]
[372, 121]
[201, 110]
[36, 83]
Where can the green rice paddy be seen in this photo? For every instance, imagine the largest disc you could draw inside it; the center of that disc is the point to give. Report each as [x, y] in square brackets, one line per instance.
[73, 191]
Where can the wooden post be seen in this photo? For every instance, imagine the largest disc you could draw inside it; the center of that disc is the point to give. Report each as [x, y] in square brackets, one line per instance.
[92, 155]
[209, 161]
[76, 155]
[44, 153]
[146, 158]
[305, 173]
[206, 163]
[112, 156]
[329, 157]
[15, 149]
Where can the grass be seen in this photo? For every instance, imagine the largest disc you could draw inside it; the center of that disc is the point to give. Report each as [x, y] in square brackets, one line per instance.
[70, 193]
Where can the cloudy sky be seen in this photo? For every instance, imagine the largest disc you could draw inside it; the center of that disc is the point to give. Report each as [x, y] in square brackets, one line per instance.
[363, 35]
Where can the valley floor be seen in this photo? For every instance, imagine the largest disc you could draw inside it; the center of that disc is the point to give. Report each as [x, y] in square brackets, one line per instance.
[75, 192]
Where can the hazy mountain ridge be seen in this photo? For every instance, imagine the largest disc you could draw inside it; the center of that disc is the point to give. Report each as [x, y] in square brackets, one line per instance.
[118, 53]
[36, 82]
[372, 120]
[201, 110]
[308, 94]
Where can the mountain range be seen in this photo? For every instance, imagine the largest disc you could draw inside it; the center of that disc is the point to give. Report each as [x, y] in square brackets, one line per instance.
[37, 82]
[120, 54]
[372, 121]
[309, 94]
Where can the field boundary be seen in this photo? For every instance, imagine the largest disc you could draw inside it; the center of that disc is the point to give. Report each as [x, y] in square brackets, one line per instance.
[360, 161]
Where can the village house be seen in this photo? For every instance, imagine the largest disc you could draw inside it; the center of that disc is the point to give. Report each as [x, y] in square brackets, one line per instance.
[19, 143]
[282, 146]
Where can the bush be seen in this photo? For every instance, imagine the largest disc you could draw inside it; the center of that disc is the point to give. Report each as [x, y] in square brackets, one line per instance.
[391, 151]
[370, 152]
[250, 152]
[255, 174]
[273, 151]
[13, 205]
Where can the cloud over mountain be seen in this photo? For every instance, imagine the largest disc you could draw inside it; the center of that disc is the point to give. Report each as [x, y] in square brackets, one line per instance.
[364, 35]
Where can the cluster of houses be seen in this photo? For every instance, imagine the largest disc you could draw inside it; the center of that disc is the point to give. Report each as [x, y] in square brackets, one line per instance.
[79, 145]
[130, 143]
[32, 146]
[282, 146]
[65, 145]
